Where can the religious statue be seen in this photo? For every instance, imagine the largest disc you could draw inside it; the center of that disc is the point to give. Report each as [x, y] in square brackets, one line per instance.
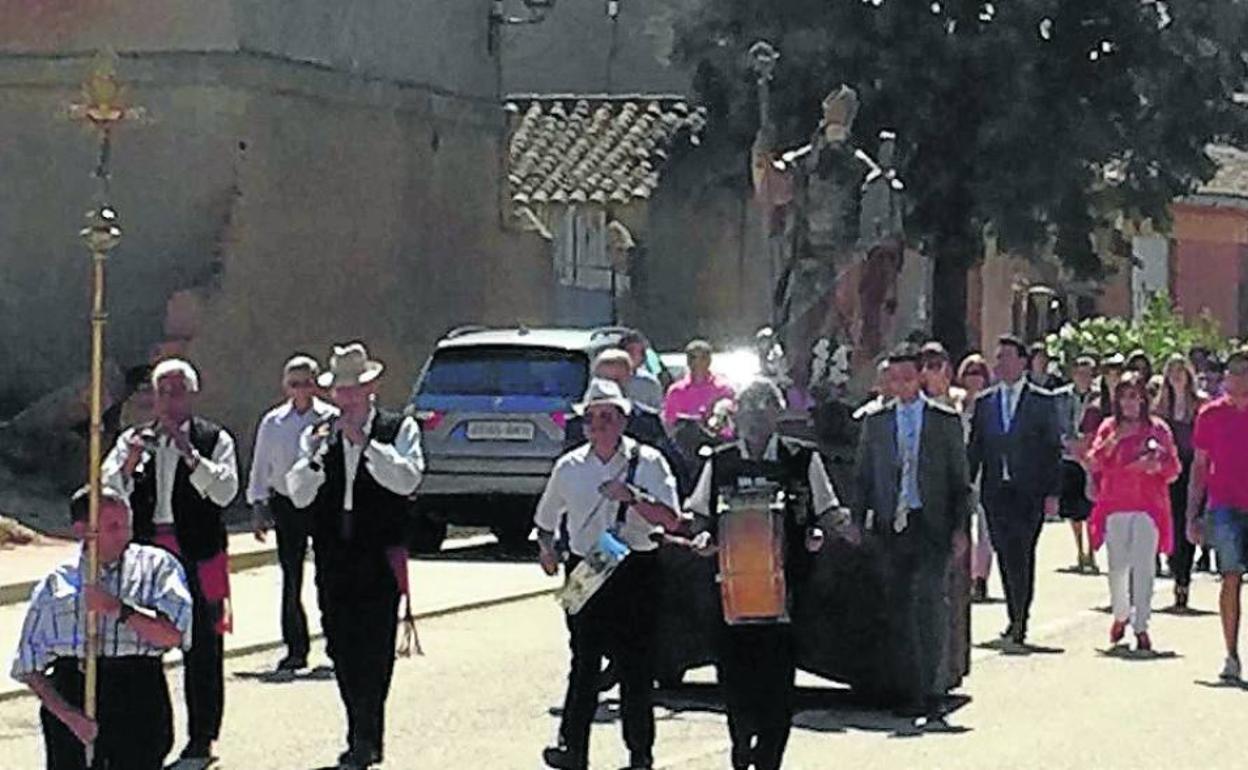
[833, 213]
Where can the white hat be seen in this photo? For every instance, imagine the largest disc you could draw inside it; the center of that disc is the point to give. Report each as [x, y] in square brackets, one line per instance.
[350, 365]
[603, 392]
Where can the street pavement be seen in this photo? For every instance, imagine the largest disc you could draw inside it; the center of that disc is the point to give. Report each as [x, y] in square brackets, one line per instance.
[483, 695]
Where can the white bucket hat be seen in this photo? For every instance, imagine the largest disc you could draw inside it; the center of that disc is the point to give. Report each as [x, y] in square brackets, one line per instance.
[603, 393]
[350, 365]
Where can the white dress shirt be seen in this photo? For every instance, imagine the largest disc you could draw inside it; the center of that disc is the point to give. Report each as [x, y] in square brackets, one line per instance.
[56, 620]
[215, 478]
[398, 467]
[822, 495]
[277, 447]
[573, 491]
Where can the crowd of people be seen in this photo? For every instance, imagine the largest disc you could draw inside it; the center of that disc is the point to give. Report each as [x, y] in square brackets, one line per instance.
[1149, 469]
[1146, 465]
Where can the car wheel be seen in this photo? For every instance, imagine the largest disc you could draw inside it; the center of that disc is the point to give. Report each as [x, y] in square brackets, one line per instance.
[513, 536]
[425, 534]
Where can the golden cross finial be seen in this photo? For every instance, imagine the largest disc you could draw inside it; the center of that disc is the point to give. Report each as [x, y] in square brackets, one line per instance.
[104, 98]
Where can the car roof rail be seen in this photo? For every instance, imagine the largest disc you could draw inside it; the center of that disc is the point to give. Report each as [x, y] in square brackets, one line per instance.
[460, 331]
[603, 331]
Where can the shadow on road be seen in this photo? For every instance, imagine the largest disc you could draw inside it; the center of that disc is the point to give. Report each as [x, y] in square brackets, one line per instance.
[1223, 684]
[1011, 649]
[269, 676]
[1123, 652]
[1185, 612]
[822, 709]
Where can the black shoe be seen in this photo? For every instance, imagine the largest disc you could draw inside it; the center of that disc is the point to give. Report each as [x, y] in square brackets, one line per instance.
[979, 590]
[358, 759]
[561, 759]
[292, 663]
[640, 760]
[197, 750]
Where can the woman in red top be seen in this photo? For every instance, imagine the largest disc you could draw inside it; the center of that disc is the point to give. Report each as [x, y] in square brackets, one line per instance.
[1135, 460]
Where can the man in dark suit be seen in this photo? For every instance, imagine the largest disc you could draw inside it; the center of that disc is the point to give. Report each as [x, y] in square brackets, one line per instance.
[912, 474]
[1016, 443]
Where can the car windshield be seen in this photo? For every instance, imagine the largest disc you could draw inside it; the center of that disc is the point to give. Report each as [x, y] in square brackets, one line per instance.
[507, 371]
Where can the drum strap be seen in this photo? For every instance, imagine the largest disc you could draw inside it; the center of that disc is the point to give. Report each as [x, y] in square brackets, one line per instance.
[629, 477]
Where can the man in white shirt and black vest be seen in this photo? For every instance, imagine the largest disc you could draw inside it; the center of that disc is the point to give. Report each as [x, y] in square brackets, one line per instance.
[354, 476]
[143, 609]
[612, 483]
[179, 473]
[276, 450]
[757, 664]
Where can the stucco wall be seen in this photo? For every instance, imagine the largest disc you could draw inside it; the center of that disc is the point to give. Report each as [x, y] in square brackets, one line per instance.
[299, 207]
[170, 186]
[537, 58]
[1210, 245]
[439, 43]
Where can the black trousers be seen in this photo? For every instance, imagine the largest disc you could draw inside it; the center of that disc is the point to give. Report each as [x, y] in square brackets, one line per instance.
[757, 670]
[360, 628]
[204, 666]
[293, 529]
[618, 622]
[916, 581]
[1184, 554]
[133, 712]
[1014, 523]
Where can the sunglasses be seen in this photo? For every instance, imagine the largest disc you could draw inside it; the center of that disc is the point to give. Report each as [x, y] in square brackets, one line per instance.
[976, 373]
[301, 384]
[934, 364]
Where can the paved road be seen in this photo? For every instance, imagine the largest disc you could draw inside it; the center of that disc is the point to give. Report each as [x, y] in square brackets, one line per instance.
[482, 698]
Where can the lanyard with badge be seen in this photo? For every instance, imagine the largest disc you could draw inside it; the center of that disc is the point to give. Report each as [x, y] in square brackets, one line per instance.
[603, 558]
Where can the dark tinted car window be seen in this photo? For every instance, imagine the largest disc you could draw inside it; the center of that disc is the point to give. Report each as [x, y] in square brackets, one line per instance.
[507, 371]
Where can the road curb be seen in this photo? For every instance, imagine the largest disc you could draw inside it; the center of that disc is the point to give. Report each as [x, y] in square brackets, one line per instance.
[16, 593]
[252, 649]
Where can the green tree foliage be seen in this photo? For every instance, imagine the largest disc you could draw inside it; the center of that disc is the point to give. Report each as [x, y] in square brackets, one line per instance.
[1161, 331]
[1034, 117]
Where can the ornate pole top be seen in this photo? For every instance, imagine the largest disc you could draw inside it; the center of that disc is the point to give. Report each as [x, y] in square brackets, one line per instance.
[763, 58]
[104, 99]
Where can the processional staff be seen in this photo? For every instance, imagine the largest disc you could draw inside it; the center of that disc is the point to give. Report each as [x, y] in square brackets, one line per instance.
[102, 108]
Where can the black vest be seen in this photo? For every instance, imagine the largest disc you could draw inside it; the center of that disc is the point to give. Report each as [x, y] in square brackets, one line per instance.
[197, 521]
[350, 548]
[791, 472]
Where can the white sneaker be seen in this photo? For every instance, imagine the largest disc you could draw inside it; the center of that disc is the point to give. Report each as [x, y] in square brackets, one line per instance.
[1230, 670]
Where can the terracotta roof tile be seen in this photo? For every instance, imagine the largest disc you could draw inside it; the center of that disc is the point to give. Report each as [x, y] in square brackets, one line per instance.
[594, 149]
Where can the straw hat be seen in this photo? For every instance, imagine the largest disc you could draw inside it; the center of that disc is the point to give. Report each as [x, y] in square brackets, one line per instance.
[603, 393]
[350, 365]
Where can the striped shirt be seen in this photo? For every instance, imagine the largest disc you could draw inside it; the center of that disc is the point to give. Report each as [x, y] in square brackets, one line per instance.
[56, 621]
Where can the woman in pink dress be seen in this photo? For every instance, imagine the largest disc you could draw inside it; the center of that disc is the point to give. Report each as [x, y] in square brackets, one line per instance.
[1134, 459]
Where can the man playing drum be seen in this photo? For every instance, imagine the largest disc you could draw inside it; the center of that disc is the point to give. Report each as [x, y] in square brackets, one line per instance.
[616, 490]
[783, 479]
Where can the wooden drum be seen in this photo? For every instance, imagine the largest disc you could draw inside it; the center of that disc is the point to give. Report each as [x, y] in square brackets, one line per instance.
[751, 558]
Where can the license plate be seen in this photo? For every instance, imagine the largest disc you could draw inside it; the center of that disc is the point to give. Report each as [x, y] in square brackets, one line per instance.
[500, 431]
